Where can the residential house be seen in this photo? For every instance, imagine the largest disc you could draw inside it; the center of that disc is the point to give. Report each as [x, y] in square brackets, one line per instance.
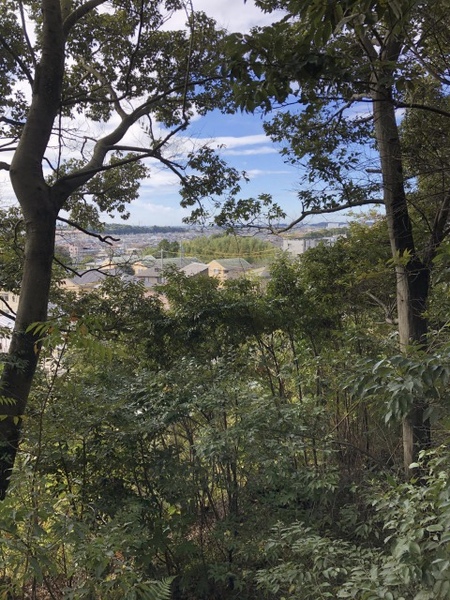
[81, 284]
[228, 268]
[144, 263]
[155, 274]
[6, 326]
[9, 302]
[195, 269]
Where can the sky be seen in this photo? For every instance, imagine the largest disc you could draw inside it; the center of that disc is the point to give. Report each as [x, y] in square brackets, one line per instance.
[241, 139]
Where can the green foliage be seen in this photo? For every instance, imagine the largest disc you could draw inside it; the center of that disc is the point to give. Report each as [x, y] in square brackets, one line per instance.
[411, 562]
[11, 250]
[401, 381]
[215, 445]
[48, 548]
[168, 247]
[239, 441]
[114, 66]
[252, 249]
[210, 178]
[111, 190]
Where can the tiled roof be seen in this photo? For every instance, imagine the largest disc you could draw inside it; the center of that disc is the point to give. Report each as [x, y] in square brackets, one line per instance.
[195, 268]
[91, 277]
[233, 263]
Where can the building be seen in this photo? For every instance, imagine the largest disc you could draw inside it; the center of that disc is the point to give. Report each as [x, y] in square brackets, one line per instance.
[6, 327]
[9, 302]
[86, 282]
[228, 268]
[195, 269]
[297, 246]
[154, 274]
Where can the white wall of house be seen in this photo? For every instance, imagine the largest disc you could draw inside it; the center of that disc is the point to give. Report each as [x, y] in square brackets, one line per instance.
[300, 245]
[6, 326]
[9, 302]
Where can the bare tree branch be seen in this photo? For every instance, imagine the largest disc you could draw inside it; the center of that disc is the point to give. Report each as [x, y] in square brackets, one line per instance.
[102, 238]
[7, 315]
[323, 211]
[25, 33]
[425, 107]
[18, 60]
[12, 121]
[439, 230]
[389, 310]
[106, 84]
[70, 182]
[8, 306]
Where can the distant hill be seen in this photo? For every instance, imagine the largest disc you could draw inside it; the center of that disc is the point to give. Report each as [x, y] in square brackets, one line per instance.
[122, 229]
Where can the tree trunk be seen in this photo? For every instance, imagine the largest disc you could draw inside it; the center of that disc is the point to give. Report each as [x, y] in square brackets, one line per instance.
[19, 370]
[40, 209]
[413, 276]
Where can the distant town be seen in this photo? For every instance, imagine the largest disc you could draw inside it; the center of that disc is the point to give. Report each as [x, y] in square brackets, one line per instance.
[125, 240]
[123, 251]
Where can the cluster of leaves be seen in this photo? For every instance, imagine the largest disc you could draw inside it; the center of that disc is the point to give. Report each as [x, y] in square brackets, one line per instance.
[410, 561]
[12, 246]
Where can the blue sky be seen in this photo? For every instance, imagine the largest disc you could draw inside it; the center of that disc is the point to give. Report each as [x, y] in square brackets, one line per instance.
[240, 136]
[241, 141]
[245, 145]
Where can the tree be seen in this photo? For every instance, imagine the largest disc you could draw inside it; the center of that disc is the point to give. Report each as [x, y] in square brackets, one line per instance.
[172, 248]
[349, 68]
[79, 80]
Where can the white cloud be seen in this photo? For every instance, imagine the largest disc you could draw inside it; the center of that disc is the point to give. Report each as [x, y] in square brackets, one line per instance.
[155, 209]
[156, 213]
[162, 180]
[252, 151]
[237, 142]
[252, 173]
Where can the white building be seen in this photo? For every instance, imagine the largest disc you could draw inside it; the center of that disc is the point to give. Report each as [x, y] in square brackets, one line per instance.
[300, 245]
[8, 304]
[6, 326]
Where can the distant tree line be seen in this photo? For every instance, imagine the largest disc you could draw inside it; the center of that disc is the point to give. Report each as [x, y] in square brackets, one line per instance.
[252, 249]
[207, 248]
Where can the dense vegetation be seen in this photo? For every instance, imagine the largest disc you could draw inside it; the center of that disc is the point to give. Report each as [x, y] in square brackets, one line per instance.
[207, 248]
[248, 446]
[280, 440]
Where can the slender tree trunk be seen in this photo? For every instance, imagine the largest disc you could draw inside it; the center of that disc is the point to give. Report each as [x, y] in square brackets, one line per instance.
[413, 276]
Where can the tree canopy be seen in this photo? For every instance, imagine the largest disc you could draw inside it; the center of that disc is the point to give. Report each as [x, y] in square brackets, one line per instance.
[76, 80]
[346, 70]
